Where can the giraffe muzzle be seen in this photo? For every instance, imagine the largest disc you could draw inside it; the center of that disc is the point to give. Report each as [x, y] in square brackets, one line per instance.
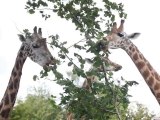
[118, 68]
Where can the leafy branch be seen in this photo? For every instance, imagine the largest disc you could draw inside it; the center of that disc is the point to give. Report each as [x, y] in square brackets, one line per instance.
[107, 99]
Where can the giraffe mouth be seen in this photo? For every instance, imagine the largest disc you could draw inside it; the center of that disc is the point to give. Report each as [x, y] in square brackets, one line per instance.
[112, 47]
[51, 62]
[49, 68]
[118, 68]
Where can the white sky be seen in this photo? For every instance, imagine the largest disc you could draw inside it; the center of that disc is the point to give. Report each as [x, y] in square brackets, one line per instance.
[143, 16]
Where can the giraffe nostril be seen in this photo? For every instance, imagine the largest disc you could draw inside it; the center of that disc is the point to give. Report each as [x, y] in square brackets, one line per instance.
[118, 68]
[47, 64]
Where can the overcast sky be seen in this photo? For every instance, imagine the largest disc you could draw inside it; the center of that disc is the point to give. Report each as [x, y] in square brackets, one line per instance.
[143, 17]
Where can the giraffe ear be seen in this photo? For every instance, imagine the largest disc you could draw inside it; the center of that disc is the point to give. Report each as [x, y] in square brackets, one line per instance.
[21, 37]
[134, 35]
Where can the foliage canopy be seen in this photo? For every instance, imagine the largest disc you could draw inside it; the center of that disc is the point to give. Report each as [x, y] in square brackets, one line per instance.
[108, 99]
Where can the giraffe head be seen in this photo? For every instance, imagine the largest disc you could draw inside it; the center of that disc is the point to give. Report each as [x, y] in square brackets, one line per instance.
[34, 46]
[117, 38]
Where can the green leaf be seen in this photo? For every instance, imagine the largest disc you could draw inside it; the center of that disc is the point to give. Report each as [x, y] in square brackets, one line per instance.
[70, 63]
[113, 18]
[58, 75]
[31, 11]
[62, 56]
[79, 47]
[35, 77]
[40, 2]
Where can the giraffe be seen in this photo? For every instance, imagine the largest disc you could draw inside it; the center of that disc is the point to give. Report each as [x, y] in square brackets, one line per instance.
[33, 46]
[119, 39]
[112, 66]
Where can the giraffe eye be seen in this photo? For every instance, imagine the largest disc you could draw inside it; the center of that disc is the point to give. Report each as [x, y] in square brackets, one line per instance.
[120, 34]
[35, 46]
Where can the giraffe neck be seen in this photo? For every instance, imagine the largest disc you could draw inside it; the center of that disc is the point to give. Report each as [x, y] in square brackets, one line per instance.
[9, 97]
[151, 77]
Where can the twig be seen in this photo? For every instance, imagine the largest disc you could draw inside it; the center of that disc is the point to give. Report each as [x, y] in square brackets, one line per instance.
[45, 9]
[106, 80]
[17, 28]
[82, 40]
[117, 111]
[104, 71]
[72, 61]
[118, 114]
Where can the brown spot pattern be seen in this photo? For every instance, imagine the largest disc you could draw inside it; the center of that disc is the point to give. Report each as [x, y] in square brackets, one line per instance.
[5, 113]
[17, 65]
[13, 96]
[133, 49]
[140, 65]
[150, 81]
[157, 86]
[14, 74]
[158, 95]
[130, 48]
[145, 74]
[135, 56]
[6, 100]
[16, 83]
[11, 85]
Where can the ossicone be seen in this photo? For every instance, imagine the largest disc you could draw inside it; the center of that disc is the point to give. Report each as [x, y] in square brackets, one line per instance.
[35, 30]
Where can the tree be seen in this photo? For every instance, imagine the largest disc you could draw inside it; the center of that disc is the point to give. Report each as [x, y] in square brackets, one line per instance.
[107, 99]
[37, 106]
[140, 113]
